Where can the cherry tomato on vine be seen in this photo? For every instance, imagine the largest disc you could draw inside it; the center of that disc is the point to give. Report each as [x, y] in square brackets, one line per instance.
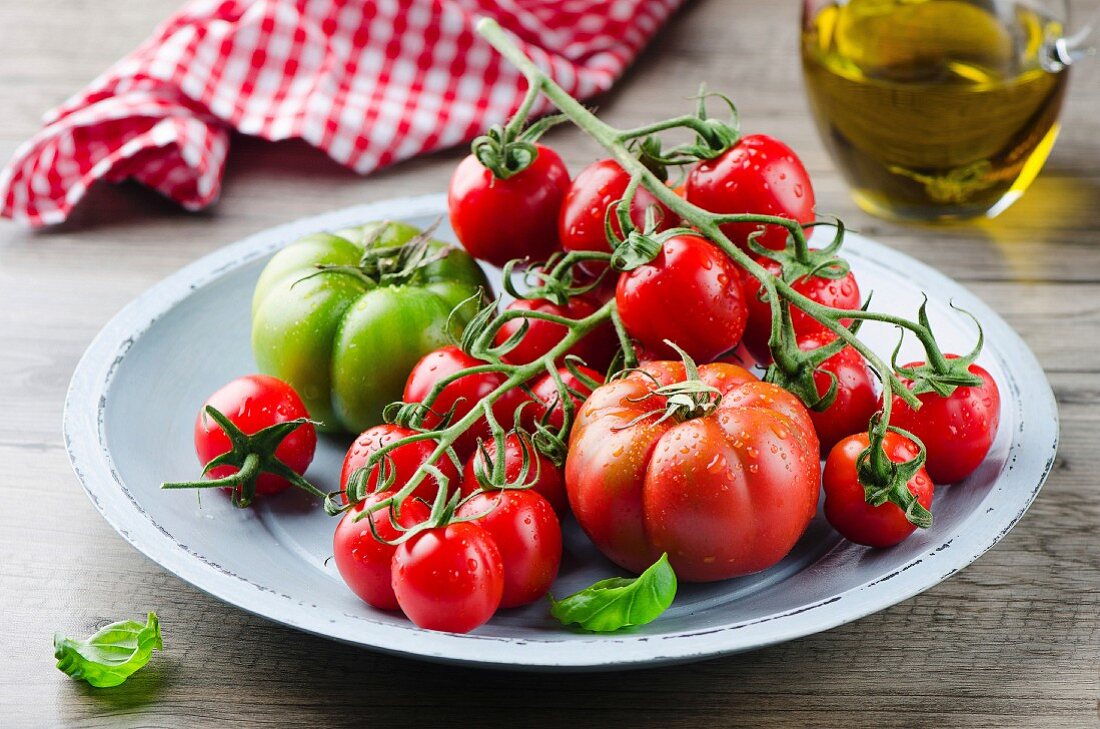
[406, 460]
[846, 506]
[461, 395]
[498, 220]
[581, 226]
[689, 294]
[252, 403]
[596, 348]
[449, 578]
[856, 400]
[759, 175]
[957, 430]
[363, 561]
[548, 398]
[528, 535]
[842, 293]
[542, 476]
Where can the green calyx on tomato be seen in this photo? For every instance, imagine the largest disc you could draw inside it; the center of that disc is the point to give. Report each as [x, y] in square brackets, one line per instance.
[885, 480]
[620, 602]
[505, 153]
[941, 375]
[344, 316]
[252, 455]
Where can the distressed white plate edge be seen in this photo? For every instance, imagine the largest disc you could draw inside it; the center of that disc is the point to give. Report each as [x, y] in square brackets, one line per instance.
[1013, 493]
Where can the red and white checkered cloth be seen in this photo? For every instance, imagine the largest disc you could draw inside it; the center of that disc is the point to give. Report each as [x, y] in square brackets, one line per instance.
[370, 82]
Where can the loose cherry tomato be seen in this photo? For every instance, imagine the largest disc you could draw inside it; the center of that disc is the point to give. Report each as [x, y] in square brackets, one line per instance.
[363, 561]
[689, 294]
[840, 293]
[856, 400]
[957, 430]
[252, 403]
[597, 348]
[498, 220]
[548, 398]
[449, 578]
[846, 506]
[583, 214]
[406, 460]
[542, 475]
[526, 531]
[462, 394]
[726, 493]
[759, 175]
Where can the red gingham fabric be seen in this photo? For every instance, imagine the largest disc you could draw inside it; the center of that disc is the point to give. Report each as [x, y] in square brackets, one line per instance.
[369, 82]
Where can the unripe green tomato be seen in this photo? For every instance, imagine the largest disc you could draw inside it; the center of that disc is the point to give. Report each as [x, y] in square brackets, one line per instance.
[347, 338]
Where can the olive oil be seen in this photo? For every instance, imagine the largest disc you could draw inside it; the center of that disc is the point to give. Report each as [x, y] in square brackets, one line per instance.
[934, 109]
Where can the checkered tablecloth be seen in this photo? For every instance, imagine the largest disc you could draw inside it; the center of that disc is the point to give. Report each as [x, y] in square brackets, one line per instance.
[369, 82]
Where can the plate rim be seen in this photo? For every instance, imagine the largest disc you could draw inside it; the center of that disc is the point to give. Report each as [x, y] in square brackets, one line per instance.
[91, 459]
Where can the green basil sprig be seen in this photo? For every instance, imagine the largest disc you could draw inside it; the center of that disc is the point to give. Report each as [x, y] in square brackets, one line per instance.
[108, 657]
[620, 602]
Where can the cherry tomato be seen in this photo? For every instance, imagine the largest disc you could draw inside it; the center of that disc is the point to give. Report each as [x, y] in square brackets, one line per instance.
[846, 506]
[597, 348]
[581, 224]
[363, 561]
[405, 459]
[449, 578]
[840, 293]
[726, 493]
[252, 403]
[498, 220]
[542, 476]
[957, 430]
[526, 531]
[548, 398]
[462, 394]
[759, 175]
[689, 294]
[856, 400]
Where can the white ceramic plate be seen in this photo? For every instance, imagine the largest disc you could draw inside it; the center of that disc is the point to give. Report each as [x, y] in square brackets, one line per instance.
[135, 393]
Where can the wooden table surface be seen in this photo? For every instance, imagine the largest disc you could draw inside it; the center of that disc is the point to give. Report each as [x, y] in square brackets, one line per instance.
[1014, 640]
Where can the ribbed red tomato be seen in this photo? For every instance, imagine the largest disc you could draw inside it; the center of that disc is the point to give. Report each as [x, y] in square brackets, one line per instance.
[726, 493]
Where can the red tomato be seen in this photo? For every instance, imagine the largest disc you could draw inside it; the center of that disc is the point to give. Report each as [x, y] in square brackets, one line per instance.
[548, 398]
[406, 460]
[498, 220]
[252, 403]
[957, 430]
[690, 294]
[839, 293]
[462, 394]
[527, 533]
[363, 561]
[725, 494]
[598, 186]
[846, 507]
[449, 578]
[856, 400]
[759, 175]
[597, 348]
[542, 475]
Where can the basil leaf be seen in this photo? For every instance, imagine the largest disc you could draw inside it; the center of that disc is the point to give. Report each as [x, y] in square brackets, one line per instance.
[108, 657]
[620, 602]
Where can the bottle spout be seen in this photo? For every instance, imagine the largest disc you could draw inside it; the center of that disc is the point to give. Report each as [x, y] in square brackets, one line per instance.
[1069, 49]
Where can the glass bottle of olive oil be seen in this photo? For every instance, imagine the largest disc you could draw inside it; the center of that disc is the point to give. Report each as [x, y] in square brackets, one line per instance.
[933, 109]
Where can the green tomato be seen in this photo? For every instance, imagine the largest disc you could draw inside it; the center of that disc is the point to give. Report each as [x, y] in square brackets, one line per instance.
[343, 317]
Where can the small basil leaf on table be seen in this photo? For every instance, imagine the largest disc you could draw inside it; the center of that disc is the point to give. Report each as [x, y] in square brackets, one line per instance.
[111, 654]
[619, 602]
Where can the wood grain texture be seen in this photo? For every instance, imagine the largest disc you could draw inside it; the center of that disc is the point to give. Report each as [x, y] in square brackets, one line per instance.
[1014, 640]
